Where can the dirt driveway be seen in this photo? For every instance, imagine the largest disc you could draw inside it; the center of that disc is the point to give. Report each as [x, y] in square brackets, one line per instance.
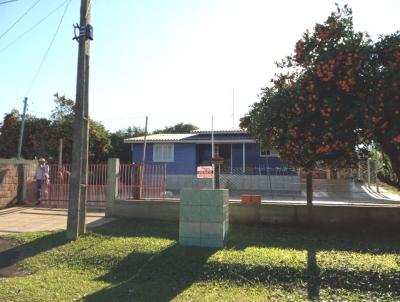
[32, 219]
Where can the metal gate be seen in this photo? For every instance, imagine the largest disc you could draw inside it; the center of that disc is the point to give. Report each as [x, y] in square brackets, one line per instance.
[142, 181]
[56, 193]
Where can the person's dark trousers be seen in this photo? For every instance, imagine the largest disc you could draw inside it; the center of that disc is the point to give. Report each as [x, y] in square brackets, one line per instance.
[38, 189]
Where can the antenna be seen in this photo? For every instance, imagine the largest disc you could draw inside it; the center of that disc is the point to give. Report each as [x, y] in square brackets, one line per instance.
[233, 108]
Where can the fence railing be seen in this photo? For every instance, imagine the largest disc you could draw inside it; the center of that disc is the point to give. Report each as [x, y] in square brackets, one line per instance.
[158, 181]
[56, 192]
[142, 181]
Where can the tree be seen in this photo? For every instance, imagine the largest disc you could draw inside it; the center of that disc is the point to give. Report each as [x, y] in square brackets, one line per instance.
[9, 132]
[118, 148]
[62, 120]
[381, 109]
[311, 114]
[178, 128]
[41, 137]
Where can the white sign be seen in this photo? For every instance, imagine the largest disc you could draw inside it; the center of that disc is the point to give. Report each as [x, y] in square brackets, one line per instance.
[205, 172]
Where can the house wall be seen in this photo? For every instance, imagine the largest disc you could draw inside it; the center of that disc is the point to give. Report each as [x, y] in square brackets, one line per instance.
[184, 158]
[187, 158]
[253, 157]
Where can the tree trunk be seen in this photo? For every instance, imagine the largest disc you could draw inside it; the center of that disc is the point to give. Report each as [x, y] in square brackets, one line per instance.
[309, 188]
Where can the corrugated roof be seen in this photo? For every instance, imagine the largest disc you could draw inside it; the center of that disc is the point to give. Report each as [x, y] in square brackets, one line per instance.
[236, 131]
[199, 138]
[162, 137]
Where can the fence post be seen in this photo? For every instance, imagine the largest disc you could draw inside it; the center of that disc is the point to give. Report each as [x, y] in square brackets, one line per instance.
[112, 184]
[22, 183]
[369, 172]
[376, 175]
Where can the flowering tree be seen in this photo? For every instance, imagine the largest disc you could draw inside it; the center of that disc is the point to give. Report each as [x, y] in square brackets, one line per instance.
[311, 115]
[381, 109]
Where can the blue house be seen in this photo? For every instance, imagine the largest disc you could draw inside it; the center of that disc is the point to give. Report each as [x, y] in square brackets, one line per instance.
[183, 153]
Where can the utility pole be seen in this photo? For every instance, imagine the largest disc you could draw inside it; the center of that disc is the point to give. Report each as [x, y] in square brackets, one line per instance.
[145, 141]
[21, 132]
[60, 151]
[77, 192]
[212, 151]
[233, 108]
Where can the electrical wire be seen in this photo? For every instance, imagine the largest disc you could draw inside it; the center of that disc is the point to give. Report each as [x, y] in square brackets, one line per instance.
[32, 27]
[8, 1]
[48, 49]
[19, 19]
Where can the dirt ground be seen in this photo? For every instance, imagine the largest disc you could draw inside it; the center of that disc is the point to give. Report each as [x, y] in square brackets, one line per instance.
[8, 257]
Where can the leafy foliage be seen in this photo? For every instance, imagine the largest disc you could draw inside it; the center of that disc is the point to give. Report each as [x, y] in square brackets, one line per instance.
[382, 107]
[335, 95]
[311, 113]
[118, 148]
[178, 128]
[9, 132]
[41, 135]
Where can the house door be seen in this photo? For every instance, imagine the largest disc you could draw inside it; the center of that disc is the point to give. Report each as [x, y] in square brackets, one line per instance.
[224, 151]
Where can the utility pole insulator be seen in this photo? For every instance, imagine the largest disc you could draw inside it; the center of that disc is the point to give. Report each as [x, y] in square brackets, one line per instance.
[84, 31]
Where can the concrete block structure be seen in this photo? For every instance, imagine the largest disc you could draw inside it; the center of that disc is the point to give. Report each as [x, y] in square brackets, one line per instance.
[203, 217]
[17, 182]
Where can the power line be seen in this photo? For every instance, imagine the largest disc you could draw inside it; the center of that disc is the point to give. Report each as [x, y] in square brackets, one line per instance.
[48, 48]
[8, 1]
[33, 27]
[19, 19]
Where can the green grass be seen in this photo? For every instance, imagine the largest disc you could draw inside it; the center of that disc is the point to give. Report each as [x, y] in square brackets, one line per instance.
[137, 260]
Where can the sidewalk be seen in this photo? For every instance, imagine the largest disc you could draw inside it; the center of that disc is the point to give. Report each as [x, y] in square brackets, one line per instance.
[33, 219]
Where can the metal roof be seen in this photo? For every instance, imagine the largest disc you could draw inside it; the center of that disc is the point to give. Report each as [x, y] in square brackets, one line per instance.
[199, 138]
[236, 131]
[162, 137]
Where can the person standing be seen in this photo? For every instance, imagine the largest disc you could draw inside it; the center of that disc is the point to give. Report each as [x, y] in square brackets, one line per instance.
[39, 176]
[45, 181]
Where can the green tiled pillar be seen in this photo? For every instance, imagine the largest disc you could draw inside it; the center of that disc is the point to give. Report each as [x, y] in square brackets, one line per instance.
[204, 217]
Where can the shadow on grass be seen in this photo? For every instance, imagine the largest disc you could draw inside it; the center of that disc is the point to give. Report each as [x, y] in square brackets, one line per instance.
[162, 276]
[289, 278]
[41, 244]
[373, 240]
[133, 227]
[313, 276]
[157, 277]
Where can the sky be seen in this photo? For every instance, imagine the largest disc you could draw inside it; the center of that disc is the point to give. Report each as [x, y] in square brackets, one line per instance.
[171, 60]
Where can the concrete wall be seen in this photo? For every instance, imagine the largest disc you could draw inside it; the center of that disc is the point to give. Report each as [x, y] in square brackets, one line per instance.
[269, 213]
[16, 177]
[236, 182]
[154, 209]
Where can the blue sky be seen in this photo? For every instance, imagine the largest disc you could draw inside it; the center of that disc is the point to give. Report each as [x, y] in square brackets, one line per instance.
[173, 60]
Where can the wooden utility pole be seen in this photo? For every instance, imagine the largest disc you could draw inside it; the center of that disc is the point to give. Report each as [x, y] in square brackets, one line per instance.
[77, 192]
[60, 151]
[21, 131]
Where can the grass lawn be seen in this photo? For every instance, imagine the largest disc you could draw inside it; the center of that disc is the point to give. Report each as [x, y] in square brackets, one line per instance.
[138, 260]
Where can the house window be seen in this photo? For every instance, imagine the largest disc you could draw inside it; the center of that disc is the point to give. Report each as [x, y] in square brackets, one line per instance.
[264, 152]
[163, 152]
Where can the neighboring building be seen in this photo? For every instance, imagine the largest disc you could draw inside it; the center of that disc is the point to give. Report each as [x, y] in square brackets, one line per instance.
[183, 153]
